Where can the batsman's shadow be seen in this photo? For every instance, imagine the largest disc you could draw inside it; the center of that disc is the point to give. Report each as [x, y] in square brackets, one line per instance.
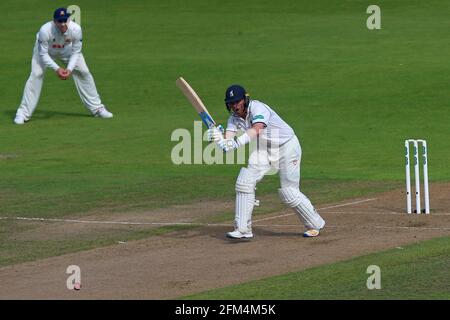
[279, 234]
[220, 233]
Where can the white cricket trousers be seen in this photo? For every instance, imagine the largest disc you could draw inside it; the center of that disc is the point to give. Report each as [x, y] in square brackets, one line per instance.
[284, 160]
[82, 77]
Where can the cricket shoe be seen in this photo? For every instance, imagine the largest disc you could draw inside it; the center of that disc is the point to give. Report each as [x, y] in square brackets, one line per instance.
[20, 119]
[236, 234]
[310, 233]
[103, 113]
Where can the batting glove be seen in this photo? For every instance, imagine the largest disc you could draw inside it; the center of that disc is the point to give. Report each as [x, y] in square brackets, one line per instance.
[227, 144]
[215, 134]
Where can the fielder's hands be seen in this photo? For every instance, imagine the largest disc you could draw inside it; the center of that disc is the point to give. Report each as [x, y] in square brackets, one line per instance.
[227, 144]
[63, 74]
[214, 134]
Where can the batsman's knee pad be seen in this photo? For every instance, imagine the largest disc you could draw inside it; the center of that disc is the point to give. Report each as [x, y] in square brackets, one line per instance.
[290, 196]
[245, 182]
[297, 200]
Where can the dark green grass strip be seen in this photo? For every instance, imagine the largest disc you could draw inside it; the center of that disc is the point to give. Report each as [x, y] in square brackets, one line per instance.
[417, 271]
[15, 251]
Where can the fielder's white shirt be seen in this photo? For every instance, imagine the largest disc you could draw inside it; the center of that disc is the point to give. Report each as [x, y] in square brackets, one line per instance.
[277, 132]
[52, 44]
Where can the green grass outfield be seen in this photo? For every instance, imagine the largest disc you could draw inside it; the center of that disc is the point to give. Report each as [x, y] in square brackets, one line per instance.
[418, 271]
[352, 95]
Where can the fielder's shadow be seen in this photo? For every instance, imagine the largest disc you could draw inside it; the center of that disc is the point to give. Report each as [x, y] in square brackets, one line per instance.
[10, 114]
[44, 114]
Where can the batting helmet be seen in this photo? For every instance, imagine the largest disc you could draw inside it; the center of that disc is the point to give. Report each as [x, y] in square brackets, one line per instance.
[236, 93]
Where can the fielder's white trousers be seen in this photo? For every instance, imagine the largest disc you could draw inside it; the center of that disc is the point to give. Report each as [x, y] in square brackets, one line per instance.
[84, 82]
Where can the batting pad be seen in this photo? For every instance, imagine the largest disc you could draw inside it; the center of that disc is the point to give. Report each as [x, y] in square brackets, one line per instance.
[245, 182]
[297, 200]
[244, 208]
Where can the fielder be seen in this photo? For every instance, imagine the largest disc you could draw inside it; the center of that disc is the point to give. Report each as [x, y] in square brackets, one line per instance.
[60, 39]
[281, 150]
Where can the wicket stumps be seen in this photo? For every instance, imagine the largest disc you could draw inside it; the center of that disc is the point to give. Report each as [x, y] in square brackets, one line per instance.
[416, 143]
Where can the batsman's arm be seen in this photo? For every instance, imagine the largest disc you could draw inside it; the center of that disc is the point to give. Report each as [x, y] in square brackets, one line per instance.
[230, 134]
[256, 129]
[250, 134]
[231, 142]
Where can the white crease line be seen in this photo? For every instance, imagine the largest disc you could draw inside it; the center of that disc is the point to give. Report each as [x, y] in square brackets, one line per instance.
[348, 204]
[358, 227]
[418, 228]
[120, 222]
[215, 224]
[390, 213]
[166, 223]
[368, 212]
[95, 221]
[330, 207]
[270, 218]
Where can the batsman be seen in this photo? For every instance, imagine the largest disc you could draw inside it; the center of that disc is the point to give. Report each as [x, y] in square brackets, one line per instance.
[278, 148]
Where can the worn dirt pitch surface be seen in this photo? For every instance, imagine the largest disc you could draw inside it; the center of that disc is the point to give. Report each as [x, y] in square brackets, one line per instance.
[190, 261]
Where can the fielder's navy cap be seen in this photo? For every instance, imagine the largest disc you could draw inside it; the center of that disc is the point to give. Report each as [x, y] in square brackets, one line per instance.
[235, 93]
[61, 15]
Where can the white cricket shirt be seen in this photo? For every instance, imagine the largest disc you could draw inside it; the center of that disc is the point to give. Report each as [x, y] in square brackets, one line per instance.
[277, 132]
[52, 44]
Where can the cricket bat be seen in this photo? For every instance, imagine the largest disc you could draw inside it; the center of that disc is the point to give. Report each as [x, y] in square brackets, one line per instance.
[196, 102]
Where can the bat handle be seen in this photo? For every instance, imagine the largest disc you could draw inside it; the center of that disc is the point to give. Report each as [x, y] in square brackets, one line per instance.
[221, 128]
